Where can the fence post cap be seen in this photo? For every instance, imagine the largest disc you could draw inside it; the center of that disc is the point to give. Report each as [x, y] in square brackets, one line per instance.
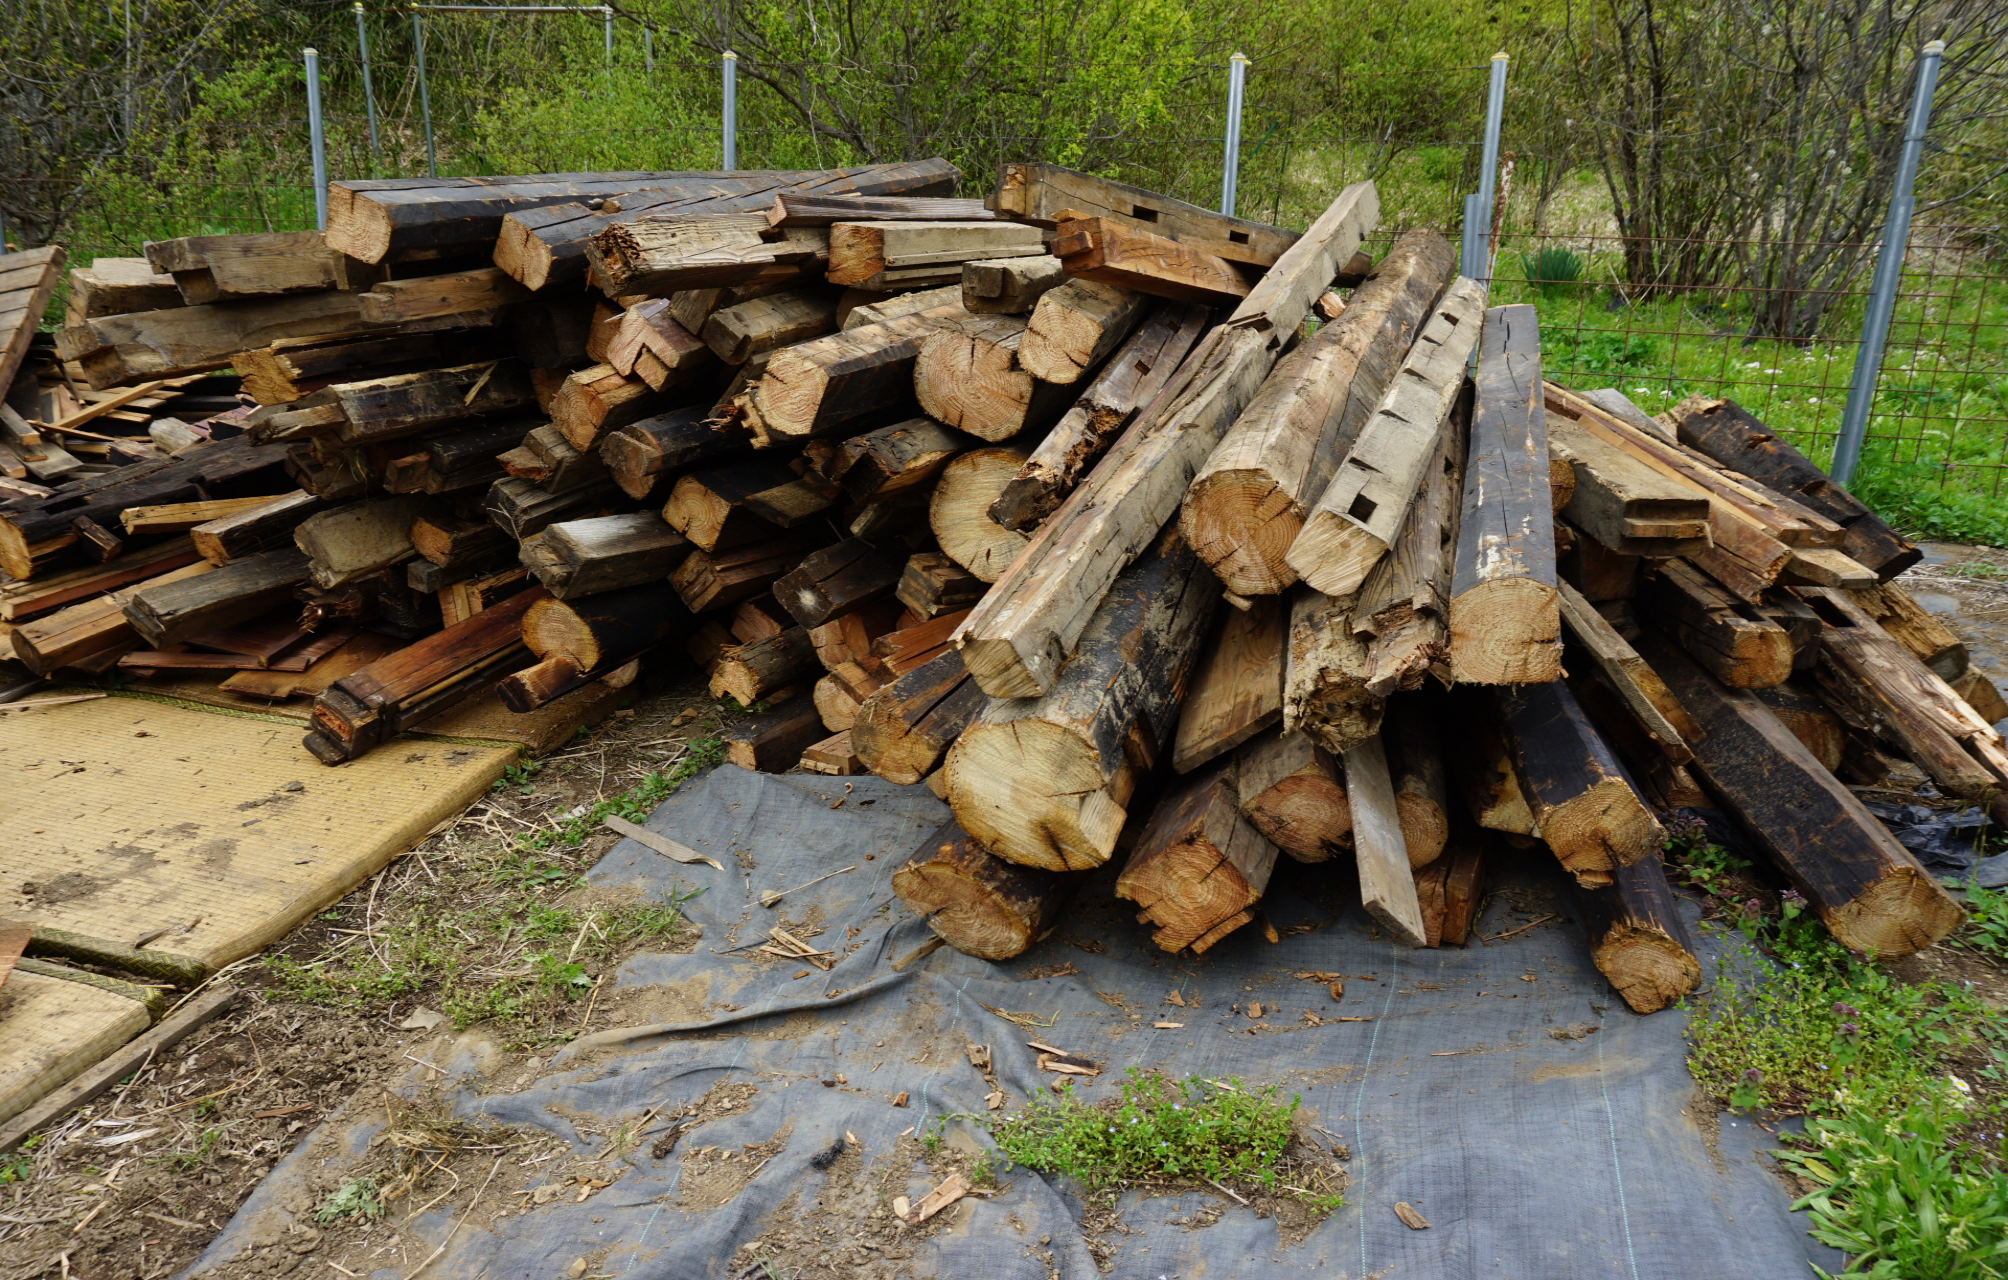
[729, 54]
[1239, 57]
[1935, 48]
[311, 53]
[1500, 56]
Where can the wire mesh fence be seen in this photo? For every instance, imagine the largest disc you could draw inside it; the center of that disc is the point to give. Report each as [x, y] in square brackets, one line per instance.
[1940, 418]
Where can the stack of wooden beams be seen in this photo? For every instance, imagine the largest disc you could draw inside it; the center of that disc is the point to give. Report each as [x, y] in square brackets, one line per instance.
[1094, 511]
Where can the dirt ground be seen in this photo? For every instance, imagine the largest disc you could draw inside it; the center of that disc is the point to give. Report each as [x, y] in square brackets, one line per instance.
[134, 1186]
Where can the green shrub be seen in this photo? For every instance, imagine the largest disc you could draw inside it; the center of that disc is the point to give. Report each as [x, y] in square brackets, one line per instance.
[1552, 270]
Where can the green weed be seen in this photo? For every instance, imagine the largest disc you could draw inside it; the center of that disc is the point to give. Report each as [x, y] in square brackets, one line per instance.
[1979, 570]
[1212, 1131]
[1552, 270]
[1986, 928]
[517, 777]
[16, 1167]
[199, 1155]
[355, 1198]
[635, 804]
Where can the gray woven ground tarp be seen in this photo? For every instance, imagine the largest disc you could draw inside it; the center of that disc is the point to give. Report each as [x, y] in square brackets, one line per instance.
[1532, 1156]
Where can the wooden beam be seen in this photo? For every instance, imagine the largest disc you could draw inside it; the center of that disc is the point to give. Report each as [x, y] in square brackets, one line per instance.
[1237, 689]
[1100, 249]
[1735, 641]
[1387, 889]
[1353, 523]
[1077, 324]
[1637, 938]
[236, 592]
[1292, 792]
[604, 553]
[975, 901]
[1579, 794]
[1644, 694]
[1404, 604]
[968, 376]
[1009, 286]
[922, 255]
[1045, 193]
[959, 511]
[905, 727]
[818, 386]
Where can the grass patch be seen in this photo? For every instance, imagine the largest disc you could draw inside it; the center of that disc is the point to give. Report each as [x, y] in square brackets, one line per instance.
[356, 1198]
[1161, 1132]
[636, 803]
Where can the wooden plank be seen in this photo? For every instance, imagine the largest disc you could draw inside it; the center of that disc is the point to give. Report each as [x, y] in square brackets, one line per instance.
[1237, 690]
[1352, 524]
[1387, 890]
[1105, 250]
[1623, 503]
[811, 210]
[180, 517]
[1247, 504]
[1644, 694]
[911, 255]
[1009, 286]
[1022, 633]
[22, 305]
[1867, 888]
[1045, 193]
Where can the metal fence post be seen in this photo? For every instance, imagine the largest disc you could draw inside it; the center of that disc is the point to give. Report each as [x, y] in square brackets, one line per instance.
[317, 139]
[1889, 273]
[1478, 216]
[424, 94]
[607, 17]
[1230, 163]
[729, 124]
[648, 48]
[369, 90]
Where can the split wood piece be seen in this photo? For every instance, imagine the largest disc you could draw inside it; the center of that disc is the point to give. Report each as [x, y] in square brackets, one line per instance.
[690, 308]
[1247, 504]
[1732, 436]
[1753, 502]
[1112, 253]
[352, 654]
[595, 402]
[28, 281]
[1577, 791]
[922, 255]
[1404, 604]
[1199, 865]
[1429, 882]
[38, 531]
[751, 672]
[815, 387]
[331, 482]
[367, 708]
[742, 502]
[1637, 939]
[774, 741]
[93, 628]
[848, 637]
[1483, 769]
[1387, 887]
[1047, 194]
[558, 465]
[1024, 630]
[1981, 693]
[745, 329]
[451, 543]
[1352, 525]
[20, 601]
[649, 344]
[236, 592]
[1800, 623]
[932, 584]
[180, 517]
[860, 307]
[837, 580]
[1624, 503]
[716, 579]
[1133, 377]
[1811, 721]
[833, 757]
[459, 601]
[292, 369]
[586, 557]
[404, 404]
[116, 286]
[231, 268]
[1009, 286]
[959, 512]
[658, 255]
[642, 452]
[1867, 888]
[481, 291]
[1825, 567]
[977, 902]
[1658, 713]
[1046, 781]
[1912, 626]
[521, 509]
[354, 541]
[1292, 792]
[836, 704]
[759, 618]
[811, 210]
[253, 528]
[1464, 887]
[1075, 325]
[1237, 691]
[1600, 573]
[1325, 671]
[899, 459]
[903, 729]
[1414, 752]
[579, 641]
[1743, 648]
[1905, 702]
[898, 652]
[968, 377]
[545, 242]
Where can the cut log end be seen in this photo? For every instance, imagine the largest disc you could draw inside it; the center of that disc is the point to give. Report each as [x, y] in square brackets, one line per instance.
[1506, 631]
[1334, 554]
[1306, 816]
[1903, 913]
[1188, 892]
[976, 902]
[1032, 793]
[959, 512]
[1243, 525]
[1649, 969]
[1600, 829]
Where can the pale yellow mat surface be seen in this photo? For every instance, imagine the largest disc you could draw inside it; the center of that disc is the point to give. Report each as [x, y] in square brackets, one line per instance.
[51, 1029]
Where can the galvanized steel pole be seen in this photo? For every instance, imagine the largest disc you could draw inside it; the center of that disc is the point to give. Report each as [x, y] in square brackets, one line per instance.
[1889, 273]
[729, 125]
[607, 17]
[424, 94]
[369, 90]
[1230, 163]
[1478, 214]
[317, 139]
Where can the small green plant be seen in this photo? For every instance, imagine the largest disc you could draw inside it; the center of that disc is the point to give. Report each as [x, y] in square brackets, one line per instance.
[1552, 270]
[1986, 928]
[15, 1167]
[355, 1198]
[1208, 1130]
[199, 1155]
[1900, 1193]
[1982, 570]
[1701, 862]
[517, 777]
[635, 804]
[561, 977]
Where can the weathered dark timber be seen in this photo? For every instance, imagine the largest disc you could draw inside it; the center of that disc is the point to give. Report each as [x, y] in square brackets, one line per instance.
[645, 452]
[1580, 797]
[605, 553]
[774, 741]
[236, 592]
[1637, 939]
[1743, 648]
[714, 579]
[903, 729]
[836, 580]
[749, 672]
